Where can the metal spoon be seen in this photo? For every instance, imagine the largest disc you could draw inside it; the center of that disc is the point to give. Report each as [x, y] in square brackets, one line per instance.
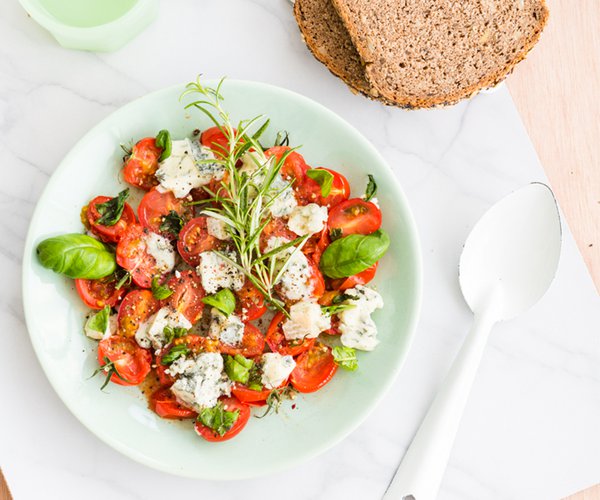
[507, 264]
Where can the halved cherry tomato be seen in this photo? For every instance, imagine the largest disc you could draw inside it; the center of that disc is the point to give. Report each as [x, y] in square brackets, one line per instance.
[194, 239]
[165, 405]
[253, 343]
[215, 139]
[196, 343]
[355, 216]
[250, 304]
[164, 378]
[314, 368]
[156, 205]
[316, 245]
[142, 164]
[310, 190]
[137, 307]
[278, 343]
[133, 256]
[187, 295]
[294, 166]
[361, 278]
[230, 404]
[275, 228]
[108, 233]
[99, 293]
[250, 396]
[131, 362]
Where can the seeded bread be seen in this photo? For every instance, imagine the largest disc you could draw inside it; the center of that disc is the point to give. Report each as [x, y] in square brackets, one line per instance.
[418, 53]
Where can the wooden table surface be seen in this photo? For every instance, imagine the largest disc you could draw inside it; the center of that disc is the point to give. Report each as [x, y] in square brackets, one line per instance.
[556, 90]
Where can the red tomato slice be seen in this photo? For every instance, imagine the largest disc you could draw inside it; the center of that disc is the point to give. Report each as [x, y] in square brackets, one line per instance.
[250, 304]
[155, 206]
[216, 140]
[294, 166]
[275, 228]
[194, 239]
[137, 307]
[165, 405]
[110, 234]
[130, 361]
[317, 280]
[361, 278]
[253, 343]
[99, 293]
[310, 190]
[316, 245]
[133, 256]
[355, 216]
[314, 368]
[230, 404]
[187, 295]
[278, 343]
[249, 396]
[140, 167]
[164, 378]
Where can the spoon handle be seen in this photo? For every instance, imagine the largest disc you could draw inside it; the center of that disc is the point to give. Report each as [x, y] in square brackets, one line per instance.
[421, 471]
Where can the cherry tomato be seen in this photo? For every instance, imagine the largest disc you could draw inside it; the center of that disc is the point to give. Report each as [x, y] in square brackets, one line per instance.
[249, 396]
[110, 234]
[314, 368]
[361, 278]
[187, 295]
[275, 228]
[142, 164]
[278, 343]
[250, 304]
[215, 139]
[197, 343]
[253, 343]
[164, 378]
[137, 307]
[155, 206]
[194, 239]
[165, 405]
[294, 166]
[133, 256]
[129, 360]
[230, 404]
[354, 216]
[316, 245]
[99, 293]
[316, 279]
[310, 190]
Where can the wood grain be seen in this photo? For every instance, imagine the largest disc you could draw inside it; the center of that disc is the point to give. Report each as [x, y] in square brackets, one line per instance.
[556, 90]
[4, 491]
[592, 493]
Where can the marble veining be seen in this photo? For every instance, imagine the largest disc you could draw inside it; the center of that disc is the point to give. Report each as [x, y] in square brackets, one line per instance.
[530, 429]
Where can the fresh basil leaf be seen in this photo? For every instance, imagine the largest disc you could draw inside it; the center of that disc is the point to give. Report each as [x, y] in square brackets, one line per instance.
[172, 333]
[112, 209]
[172, 223]
[99, 321]
[335, 233]
[323, 178]
[371, 188]
[163, 141]
[353, 254]
[335, 309]
[342, 297]
[345, 357]
[159, 291]
[77, 256]
[238, 368]
[175, 352]
[223, 300]
[218, 418]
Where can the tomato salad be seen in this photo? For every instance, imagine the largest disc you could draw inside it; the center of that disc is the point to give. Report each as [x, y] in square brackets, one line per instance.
[238, 281]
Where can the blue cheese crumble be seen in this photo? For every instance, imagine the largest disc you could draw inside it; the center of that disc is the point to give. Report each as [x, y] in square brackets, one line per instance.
[216, 273]
[356, 325]
[295, 281]
[228, 329]
[276, 369]
[151, 332]
[308, 219]
[306, 321]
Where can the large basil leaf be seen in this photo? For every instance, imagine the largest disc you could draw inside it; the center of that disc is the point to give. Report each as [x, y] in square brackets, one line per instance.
[353, 254]
[77, 256]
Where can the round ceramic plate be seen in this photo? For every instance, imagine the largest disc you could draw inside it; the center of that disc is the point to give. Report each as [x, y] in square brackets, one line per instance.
[120, 415]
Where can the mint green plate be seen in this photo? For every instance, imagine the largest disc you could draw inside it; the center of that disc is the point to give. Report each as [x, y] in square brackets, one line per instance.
[120, 417]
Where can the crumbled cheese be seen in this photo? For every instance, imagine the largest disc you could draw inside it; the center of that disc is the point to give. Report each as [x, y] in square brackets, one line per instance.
[217, 228]
[276, 369]
[284, 200]
[151, 332]
[217, 273]
[356, 325]
[111, 328]
[228, 329]
[253, 161]
[186, 169]
[375, 202]
[308, 219]
[295, 282]
[201, 380]
[306, 321]
[161, 249]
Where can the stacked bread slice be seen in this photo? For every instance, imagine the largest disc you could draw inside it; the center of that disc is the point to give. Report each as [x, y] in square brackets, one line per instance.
[420, 53]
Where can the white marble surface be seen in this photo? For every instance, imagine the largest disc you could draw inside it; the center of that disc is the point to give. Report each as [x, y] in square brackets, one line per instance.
[530, 429]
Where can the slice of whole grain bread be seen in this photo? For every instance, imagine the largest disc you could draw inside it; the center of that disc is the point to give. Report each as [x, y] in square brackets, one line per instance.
[421, 53]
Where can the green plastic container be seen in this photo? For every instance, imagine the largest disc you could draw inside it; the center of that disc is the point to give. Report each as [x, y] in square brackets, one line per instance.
[98, 25]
